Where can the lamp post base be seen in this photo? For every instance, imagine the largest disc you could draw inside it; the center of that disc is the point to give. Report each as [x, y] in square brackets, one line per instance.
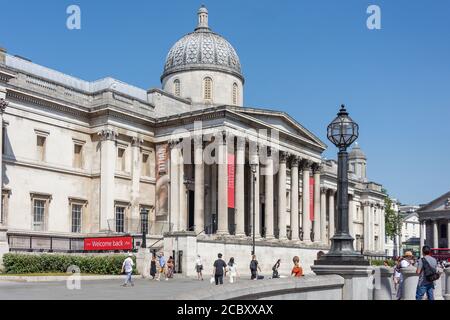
[342, 253]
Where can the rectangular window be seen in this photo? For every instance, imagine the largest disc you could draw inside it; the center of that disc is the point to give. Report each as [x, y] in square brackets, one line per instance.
[145, 167]
[77, 210]
[39, 215]
[78, 156]
[120, 165]
[120, 219]
[4, 136]
[40, 147]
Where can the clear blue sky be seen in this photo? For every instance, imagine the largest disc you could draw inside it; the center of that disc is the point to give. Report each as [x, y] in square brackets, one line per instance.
[302, 57]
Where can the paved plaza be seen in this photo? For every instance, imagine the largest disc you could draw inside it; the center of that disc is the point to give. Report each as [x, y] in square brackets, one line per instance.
[104, 289]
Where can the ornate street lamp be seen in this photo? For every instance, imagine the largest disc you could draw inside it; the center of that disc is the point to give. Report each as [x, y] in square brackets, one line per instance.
[342, 132]
[253, 165]
[144, 226]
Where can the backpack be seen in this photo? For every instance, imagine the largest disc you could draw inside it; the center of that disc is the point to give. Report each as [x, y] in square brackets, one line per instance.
[430, 273]
[253, 265]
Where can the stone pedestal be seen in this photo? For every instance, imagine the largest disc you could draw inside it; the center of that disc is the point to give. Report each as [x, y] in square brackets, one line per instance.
[4, 247]
[358, 280]
[383, 283]
[447, 284]
[438, 288]
[184, 245]
[143, 259]
[410, 280]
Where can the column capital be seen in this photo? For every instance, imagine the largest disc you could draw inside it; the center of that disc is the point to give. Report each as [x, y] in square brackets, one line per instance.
[295, 161]
[306, 164]
[136, 142]
[323, 190]
[317, 167]
[173, 143]
[3, 105]
[283, 156]
[108, 134]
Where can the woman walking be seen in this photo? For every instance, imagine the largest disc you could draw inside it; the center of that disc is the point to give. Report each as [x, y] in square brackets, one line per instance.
[153, 267]
[199, 267]
[232, 269]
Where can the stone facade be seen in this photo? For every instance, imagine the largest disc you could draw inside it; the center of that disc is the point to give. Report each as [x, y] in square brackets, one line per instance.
[83, 158]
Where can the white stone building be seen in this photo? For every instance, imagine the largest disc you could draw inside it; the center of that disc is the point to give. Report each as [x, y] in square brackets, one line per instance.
[83, 158]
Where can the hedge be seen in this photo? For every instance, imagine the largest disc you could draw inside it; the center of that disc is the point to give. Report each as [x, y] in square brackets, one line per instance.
[378, 263]
[53, 263]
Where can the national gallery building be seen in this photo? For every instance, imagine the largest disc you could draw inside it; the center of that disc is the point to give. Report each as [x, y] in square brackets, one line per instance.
[83, 159]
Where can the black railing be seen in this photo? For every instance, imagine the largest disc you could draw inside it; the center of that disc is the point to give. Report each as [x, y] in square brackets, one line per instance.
[48, 243]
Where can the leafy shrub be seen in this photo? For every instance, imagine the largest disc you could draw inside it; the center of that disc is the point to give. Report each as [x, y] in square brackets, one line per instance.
[53, 263]
[378, 263]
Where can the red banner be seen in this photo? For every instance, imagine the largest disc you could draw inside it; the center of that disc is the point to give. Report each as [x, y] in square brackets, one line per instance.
[231, 181]
[106, 244]
[311, 199]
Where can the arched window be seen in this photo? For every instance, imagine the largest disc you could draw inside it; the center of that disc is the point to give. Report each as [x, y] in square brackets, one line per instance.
[177, 87]
[235, 93]
[207, 88]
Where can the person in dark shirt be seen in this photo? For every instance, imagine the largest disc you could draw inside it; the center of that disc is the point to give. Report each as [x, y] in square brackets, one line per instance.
[219, 269]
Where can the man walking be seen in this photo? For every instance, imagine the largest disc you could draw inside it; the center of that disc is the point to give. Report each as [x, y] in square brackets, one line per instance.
[219, 269]
[127, 267]
[427, 270]
[162, 267]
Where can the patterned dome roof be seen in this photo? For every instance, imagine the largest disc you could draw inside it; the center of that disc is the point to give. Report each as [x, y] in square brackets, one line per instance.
[202, 50]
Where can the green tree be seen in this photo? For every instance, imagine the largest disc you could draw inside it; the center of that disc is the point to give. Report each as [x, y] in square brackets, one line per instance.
[393, 222]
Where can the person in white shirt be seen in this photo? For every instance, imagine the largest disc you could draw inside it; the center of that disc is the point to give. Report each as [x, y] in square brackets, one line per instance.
[199, 267]
[127, 267]
[232, 269]
[404, 263]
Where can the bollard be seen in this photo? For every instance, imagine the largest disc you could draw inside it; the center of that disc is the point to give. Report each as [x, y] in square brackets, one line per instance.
[410, 280]
[383, 285]
[447, 283]
[438, 288]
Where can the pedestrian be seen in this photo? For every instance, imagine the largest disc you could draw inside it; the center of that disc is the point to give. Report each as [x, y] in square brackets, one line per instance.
[232, 269]
[320, 254]
[397, 274]
[153, 266]
[162, 266]
[275, 268]
[170, 267]
[199, 267]
[428, 273]
[127, 267]
[386, 263]
[254, 267]
[219, 269]
[297, 270]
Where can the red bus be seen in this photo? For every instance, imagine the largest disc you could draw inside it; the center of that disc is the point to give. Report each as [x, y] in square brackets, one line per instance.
[441, 254]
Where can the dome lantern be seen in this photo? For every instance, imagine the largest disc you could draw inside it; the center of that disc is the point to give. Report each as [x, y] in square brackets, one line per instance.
[202, 18]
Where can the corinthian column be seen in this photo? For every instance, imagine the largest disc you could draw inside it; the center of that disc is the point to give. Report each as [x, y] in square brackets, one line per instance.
[323, 215]
[3, 105]
[435, 234]
[136, 144]
[268, 179]
[199, 201]
[331, 207]
[107, 169]
[294, 199]
[282, 197]
[174, 184]
[222, 228]
[366, 226]
[306, 202]
[317, 217]
[239, 187]
[422, 235]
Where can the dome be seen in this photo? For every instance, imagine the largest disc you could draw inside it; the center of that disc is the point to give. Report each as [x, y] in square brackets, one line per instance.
[357, 153]
[202, 50]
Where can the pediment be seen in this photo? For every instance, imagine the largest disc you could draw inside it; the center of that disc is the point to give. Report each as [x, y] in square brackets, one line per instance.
[440, 204]
[282, 122]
